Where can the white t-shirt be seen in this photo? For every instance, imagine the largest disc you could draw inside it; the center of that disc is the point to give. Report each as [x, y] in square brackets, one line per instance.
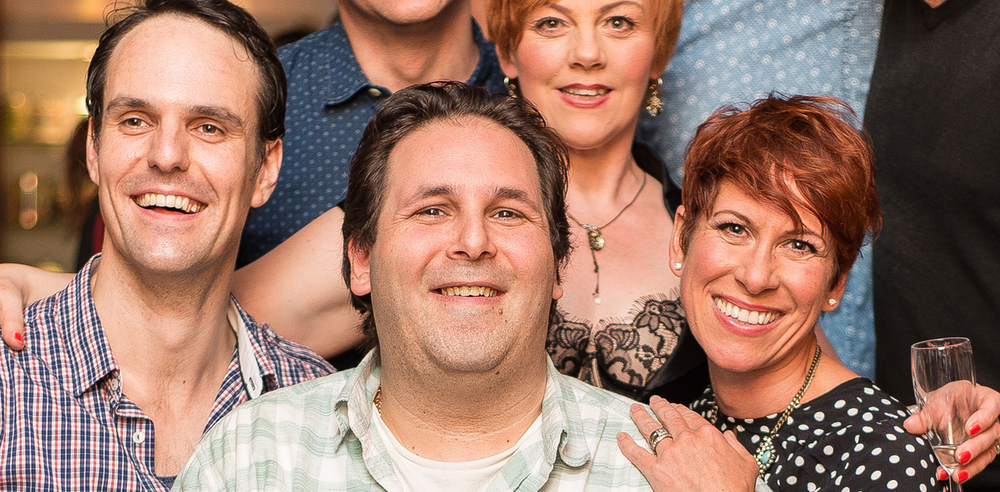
[417, 474]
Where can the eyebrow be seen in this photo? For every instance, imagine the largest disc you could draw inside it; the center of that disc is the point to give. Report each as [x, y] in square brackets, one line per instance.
[804, 229]
[125, 104]
[503, 192]
[605, 9]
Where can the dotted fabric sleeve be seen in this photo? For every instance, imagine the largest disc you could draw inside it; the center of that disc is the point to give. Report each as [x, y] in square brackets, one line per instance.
[850, 439]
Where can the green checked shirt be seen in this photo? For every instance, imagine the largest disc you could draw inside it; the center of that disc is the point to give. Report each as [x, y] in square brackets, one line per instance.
[319, 435]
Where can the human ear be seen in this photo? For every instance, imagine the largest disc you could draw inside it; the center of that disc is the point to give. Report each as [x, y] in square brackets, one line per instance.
[267, 175]
[507, 64]
[676, 249]
[92, 167]
[360, 260]
[835, 293]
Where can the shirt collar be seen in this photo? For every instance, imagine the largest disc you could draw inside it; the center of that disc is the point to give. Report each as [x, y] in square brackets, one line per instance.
[88, 348]
[340, 72]
[562, 425]
[90, 353]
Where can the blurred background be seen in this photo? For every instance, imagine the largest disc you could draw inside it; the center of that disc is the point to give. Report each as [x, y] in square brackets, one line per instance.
[46, 197]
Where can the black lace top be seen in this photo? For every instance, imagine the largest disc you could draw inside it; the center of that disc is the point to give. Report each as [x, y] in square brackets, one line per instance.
[649, 350]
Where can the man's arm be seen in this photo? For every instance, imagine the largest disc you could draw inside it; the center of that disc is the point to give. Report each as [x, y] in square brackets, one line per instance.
[298, 289]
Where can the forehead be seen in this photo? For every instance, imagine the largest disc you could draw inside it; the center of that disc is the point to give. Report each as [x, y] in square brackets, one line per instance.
[177, 61]
[465, 156]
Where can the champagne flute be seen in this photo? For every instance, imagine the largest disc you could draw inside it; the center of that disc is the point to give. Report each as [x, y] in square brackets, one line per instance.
[944, 379]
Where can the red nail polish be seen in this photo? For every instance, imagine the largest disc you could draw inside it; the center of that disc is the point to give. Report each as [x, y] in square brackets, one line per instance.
[962, 476]
[18, 337]
[943, 476]
[975, 429]
[964, 457]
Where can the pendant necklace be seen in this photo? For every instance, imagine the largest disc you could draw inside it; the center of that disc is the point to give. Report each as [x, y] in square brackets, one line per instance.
[595, 238]
[766, 454]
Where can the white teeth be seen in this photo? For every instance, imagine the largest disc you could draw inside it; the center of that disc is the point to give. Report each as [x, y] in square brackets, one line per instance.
[744, 315]
[576, 91]
[175, 202]
[469, 291]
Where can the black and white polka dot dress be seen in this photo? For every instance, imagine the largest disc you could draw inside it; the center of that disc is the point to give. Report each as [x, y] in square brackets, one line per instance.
[850, 439]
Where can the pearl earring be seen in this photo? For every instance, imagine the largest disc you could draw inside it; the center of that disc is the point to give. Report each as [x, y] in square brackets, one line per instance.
[832, 302]
[678, 265]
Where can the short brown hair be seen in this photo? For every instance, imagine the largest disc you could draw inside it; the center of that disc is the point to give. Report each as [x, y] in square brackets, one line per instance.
[506, 19]
[812, 143]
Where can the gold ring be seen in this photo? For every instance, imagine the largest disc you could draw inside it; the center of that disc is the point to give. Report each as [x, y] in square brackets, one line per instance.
[656, 436]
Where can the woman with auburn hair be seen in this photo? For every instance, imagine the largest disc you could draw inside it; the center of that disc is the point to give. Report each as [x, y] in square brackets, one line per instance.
[591, 68]
[778, 199]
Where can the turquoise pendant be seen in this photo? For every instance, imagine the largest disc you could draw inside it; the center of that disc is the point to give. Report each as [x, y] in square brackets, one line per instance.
[765, 454]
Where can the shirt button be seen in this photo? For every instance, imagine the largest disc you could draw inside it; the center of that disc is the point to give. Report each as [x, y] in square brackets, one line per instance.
[115, 384]
[374, 92]
[139, 437]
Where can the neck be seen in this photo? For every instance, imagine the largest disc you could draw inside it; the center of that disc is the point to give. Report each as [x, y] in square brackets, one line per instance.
[601, 182]
[461, 417]
[766, 391]
[166, 331]
[397, 56]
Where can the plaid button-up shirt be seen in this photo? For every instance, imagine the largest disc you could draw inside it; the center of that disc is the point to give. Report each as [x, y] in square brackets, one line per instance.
[65, 423]
[320, 436]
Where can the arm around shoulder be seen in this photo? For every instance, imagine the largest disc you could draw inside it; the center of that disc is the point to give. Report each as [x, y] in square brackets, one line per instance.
[298, 289]
[21, 285]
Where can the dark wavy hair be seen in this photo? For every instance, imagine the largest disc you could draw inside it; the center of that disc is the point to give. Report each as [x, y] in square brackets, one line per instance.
[220, 14]
[416, 107]
[812, 143]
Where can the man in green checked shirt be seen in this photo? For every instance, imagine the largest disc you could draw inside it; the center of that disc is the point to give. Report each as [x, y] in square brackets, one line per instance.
[455, 230]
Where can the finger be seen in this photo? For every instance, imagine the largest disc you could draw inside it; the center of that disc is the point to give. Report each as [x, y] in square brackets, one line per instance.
[668, 416]
[693, 420]
[735, 443]
[988, 412]
[637, 455]
[914, 424]
[11, 326]
[643, 420]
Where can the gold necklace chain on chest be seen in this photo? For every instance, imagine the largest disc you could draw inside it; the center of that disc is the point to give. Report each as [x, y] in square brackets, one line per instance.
[766, 453]
[595, 237]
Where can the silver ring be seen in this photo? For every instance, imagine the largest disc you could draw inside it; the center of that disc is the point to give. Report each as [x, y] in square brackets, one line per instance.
[656, 436]
[996, 446]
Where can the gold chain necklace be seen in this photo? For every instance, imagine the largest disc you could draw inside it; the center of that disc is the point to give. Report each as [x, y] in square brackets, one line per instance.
[377, 399]
[595, 238]
[766, 454]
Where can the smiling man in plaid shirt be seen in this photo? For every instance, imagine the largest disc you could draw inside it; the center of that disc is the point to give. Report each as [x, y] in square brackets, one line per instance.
[124, 370]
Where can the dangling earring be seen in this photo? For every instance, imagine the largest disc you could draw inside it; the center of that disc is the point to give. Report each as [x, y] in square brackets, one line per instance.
[511, 87]
[654, 106]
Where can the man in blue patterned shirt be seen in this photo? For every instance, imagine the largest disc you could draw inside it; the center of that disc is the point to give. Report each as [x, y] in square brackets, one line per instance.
[454, 231]
[337, 78]
[125, 369]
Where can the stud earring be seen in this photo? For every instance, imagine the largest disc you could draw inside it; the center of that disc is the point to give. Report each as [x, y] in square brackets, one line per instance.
[511, 87]
[832, 302]
[678, 265]
[654, 106]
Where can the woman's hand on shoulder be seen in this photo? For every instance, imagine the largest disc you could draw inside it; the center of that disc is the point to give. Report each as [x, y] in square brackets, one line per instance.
[21, 285]
[983, 427]
[696, 456]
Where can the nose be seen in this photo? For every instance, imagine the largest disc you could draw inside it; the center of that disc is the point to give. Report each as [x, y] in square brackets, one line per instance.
[588, 52]
[757, 270]
[472, 240]
[168, 148]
